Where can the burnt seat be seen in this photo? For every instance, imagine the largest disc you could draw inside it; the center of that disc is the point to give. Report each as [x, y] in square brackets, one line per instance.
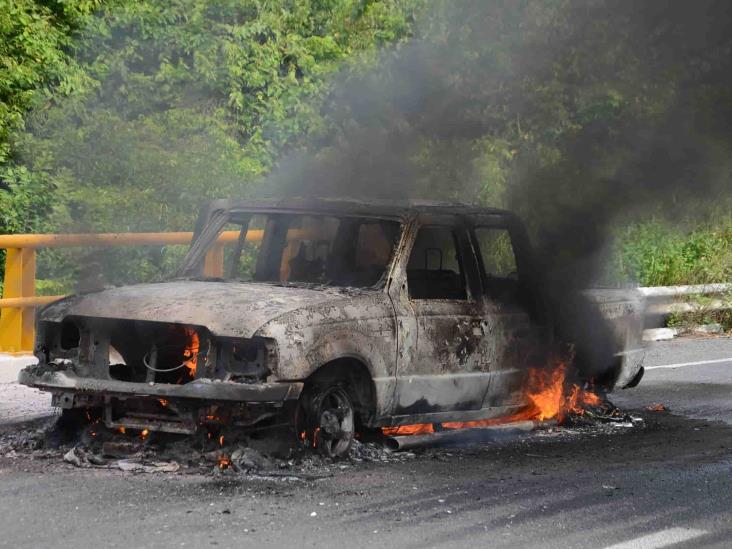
[435, 284]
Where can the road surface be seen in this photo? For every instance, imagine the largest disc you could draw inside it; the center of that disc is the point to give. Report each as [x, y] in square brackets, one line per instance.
[667, 484]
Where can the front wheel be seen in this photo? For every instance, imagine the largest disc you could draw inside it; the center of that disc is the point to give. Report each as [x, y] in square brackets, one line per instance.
[326, 420]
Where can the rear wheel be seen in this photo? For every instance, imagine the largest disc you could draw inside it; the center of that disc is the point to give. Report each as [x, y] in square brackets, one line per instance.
[326, 420]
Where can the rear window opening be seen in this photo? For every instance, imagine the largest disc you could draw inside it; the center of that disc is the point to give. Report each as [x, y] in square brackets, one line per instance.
[498, 259]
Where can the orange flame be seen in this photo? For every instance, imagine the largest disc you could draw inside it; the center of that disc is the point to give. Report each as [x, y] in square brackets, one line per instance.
[190, 353]
[548, 397]
[416, 429]
[224, 461]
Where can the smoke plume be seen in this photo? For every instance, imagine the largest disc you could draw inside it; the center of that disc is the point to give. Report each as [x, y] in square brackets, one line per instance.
[591, 114]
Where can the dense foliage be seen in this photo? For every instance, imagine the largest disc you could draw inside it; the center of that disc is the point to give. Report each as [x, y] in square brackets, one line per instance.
[125, 116]
[34, 69]
[662, 255]
[168, 104]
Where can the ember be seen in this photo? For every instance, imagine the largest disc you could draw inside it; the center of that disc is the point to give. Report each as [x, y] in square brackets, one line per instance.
[549, 396]
[308, 439]
[417, 429]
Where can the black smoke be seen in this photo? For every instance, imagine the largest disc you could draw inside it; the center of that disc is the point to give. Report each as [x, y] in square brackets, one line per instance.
[596, 111]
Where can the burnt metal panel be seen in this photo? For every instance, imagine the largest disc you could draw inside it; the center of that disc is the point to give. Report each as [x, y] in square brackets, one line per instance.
[200, 389]
[229, 309]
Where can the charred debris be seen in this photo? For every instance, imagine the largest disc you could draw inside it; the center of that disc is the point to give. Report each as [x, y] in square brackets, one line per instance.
[82, 440]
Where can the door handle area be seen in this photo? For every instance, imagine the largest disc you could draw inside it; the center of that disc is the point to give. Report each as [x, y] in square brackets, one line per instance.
[480, 326]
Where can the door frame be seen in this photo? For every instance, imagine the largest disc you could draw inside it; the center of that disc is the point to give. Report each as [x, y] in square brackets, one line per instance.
[448, 385]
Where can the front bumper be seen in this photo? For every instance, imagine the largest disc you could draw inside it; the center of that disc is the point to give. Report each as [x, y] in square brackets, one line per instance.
[197, 390]
[163, 406]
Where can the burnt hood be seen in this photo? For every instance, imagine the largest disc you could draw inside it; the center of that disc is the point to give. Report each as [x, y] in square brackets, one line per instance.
[233, 309]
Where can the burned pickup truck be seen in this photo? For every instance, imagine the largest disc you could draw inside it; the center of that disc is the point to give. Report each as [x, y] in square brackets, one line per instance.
[330, 316]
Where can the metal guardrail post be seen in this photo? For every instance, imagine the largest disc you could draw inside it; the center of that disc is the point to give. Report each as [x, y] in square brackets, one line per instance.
[17, 324]
[213, 265]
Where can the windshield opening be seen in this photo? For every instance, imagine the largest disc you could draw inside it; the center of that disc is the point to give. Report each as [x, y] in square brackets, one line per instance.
[306, 249]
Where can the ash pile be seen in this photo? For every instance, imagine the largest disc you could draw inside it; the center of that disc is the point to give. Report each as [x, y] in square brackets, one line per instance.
[84, 442]
[602, 416]
[271, 456]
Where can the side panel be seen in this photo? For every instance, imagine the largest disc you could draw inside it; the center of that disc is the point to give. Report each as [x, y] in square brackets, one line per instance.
[444, 344]
[623, 312]
[361, 327]
[513, 307]
[519, 344]
[450, 366]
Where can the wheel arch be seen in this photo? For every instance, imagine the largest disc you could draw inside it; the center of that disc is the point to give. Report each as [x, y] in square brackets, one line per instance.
[354, 372]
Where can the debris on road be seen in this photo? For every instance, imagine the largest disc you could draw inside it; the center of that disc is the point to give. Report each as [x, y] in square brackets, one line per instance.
[93, 446]
[83, 457]
[152, 467]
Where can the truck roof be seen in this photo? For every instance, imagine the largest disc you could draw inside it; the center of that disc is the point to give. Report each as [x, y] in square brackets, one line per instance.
[352, 206]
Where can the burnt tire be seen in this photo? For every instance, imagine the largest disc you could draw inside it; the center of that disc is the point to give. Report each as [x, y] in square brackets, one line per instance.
[326, 420]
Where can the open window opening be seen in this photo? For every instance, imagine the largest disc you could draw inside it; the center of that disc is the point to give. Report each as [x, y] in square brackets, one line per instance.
[435, 269]
[313, 249]
[500, 270]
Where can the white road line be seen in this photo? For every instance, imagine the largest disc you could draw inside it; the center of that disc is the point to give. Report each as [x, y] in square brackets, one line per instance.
[698, 363]
[664, 538]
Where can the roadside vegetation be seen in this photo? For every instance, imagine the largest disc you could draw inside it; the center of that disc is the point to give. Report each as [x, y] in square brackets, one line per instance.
[125, 116]
[657, 253]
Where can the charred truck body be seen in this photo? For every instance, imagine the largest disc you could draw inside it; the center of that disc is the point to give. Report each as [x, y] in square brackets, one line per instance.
[334, 315]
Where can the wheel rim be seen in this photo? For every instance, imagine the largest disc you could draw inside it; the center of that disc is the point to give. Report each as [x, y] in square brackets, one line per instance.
[333, 425]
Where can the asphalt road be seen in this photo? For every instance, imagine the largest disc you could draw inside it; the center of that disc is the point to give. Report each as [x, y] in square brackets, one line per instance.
[691, 377]
[666, 484]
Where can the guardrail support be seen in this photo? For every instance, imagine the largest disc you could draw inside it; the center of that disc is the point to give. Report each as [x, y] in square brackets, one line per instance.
[213, 265]
[17, 324]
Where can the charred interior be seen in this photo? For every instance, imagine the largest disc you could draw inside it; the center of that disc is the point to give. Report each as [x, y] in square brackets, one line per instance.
[151, 354]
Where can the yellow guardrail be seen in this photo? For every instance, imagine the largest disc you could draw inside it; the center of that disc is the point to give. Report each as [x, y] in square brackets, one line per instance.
[19, 299]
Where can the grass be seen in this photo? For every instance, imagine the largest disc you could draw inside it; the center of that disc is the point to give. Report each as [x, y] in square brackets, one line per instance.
[659, 254]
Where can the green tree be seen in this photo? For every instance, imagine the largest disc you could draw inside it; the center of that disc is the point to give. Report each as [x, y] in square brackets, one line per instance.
[193, 100]
[569, 112]
[184, 101]
[36, 69]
